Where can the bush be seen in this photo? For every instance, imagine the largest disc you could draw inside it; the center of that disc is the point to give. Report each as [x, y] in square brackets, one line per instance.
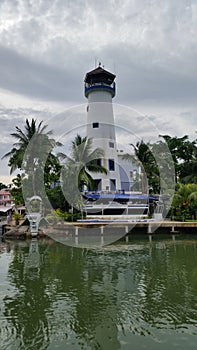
[17, 218]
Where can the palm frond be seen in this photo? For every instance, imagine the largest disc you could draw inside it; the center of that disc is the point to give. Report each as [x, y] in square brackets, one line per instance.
[39, 147]
[10, 153]
[85, 178]
[94, 168]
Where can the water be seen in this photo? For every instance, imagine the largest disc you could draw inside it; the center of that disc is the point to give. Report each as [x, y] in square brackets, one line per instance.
[141, 295]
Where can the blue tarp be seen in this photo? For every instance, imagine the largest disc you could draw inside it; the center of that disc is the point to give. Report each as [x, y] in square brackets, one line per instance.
[120, 196]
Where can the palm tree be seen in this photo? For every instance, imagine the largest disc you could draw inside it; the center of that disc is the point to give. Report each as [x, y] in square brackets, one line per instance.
[149, 169]
[157, 168]
[23, 138]
[76, 173]
[30, 151]
[84, 160]
[184, 154]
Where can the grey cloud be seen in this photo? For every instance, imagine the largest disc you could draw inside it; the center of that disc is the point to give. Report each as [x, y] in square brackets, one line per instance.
[151, 43]
[140, 77]
[52, 44]
[35, 79]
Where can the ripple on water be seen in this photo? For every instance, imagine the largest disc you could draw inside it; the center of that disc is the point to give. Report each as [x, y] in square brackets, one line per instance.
[8, 335]
[137, 295]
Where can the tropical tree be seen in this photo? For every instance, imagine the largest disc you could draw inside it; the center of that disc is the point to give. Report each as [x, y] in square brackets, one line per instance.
[16, 190]
[32, 154]
[2, 185]
[16, 155]
[84, 159]
[144, 158]
[164, 174]
[57, 199]
[77, 169]
[149, 168]
[185, 200]
[184, 154]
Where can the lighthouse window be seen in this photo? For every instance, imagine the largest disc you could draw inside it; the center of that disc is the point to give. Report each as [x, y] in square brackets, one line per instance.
[111, 165]
[111, 144]
[95, 125]
[97, 184]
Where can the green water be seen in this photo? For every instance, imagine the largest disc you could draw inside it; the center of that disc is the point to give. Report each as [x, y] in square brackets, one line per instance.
[140, 295]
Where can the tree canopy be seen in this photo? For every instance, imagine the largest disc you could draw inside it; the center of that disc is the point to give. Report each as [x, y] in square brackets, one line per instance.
[32, 155]
[84, 160]
[169, 160]
[184, 154]
[77, 169]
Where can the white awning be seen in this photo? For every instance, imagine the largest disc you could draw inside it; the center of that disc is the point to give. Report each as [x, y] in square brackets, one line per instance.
[4, 208]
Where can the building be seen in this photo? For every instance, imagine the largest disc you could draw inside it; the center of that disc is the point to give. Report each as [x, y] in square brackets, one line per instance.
[5, 197]
[6, 202]
[113, 192]
[100, 88]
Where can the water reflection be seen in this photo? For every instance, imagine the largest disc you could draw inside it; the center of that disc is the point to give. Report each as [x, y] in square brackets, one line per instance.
[57, 297]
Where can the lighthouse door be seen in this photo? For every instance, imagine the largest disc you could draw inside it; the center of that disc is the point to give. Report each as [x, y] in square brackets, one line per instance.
[112, 184]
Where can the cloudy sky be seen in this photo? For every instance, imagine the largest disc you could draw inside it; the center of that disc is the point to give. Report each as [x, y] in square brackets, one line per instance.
[47, 46]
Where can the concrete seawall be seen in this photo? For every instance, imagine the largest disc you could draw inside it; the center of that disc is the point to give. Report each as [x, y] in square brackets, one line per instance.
[157, 227]
[102, 228]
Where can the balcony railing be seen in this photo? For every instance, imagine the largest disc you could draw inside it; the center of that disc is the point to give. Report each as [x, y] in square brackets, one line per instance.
[100, 86]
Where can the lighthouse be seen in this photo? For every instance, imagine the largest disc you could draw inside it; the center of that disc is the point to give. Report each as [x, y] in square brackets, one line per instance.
[100, 88]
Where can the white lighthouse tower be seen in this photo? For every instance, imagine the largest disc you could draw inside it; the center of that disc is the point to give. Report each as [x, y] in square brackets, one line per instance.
[100, 89]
